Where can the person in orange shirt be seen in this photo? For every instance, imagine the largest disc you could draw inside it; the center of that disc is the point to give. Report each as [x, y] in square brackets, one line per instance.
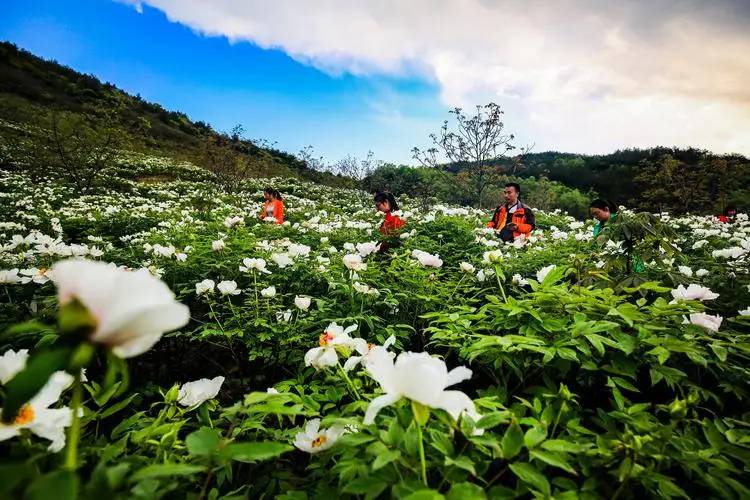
[386, 203]
[514, 218]
[273, 207]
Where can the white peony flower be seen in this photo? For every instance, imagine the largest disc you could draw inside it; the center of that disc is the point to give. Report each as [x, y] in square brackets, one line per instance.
[369, 353]
[519, 280]
[233, 221]
[36, 415]
[744, 312]
[685, 270]
[196, 392]
[467, 267]
[701, 273]
[710, 323]
[314, 439]
[421, 378]
[302, 302]
[218, 245]
[284, 316]
[353, 261]
[326, 355]
[542, 273]
[427, 259]
[254, 265]
[228, 288]
[205, 286]
[481, 276]
[9, 277]
[269, 292]
[367, 248]
[693, 292]
[132, 309]
[282, 259]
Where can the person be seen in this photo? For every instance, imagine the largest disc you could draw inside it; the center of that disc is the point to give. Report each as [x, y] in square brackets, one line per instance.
[729, 214]
[521, 220]
[603, 211]
[274, 206]
[392, 223]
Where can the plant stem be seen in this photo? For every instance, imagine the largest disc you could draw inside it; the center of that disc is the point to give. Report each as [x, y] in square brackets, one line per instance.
[74, 433]
[216, 318]
[255, 286]
[349, 381]
[421, 453]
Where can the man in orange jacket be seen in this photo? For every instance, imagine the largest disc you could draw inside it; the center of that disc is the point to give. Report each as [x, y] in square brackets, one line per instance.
[513, 218]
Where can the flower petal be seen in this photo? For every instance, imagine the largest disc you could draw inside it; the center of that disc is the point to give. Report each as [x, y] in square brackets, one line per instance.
[458, 374]
[378, 404]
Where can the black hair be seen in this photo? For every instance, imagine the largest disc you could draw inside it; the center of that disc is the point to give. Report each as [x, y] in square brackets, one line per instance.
[385, 196]
[273, 193]
[603, 204]
[515, 186]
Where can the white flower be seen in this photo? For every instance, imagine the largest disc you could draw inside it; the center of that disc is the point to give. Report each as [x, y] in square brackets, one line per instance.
[367, 248]
[181, 257]
[9, 277]
[693, 292]
[38, 276]
[710, 323]
[467, 267]
[701, 273]
[254, 265]
[218, 245]
[228, 288]
[282, 259]
[421, 378]
[232, 221]
[492, 256]
[196, 392]
[302, 302]
[296, 250]
[11, 363]
[519, 280]
[314, 440]
[369, 353]
[353, 261]
[132, 309]
[272, 390]
[284, 316]
[204, 286]
[427, 259]
[481, 276]
[36, 415]
[326, 355]
[269, 292]
[349, 247]
[686, 271]
[745, 312]
[542, 273]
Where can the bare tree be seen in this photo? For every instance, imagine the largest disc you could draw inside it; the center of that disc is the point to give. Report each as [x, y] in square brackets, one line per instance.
[477, 146]
[357, 169]
[80, 148]
[307, 156]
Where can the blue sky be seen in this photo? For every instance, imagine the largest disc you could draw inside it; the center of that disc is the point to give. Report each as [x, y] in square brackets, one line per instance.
[348, 76]
[224, 83]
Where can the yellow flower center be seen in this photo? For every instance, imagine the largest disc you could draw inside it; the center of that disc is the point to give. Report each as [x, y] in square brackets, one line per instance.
[25, 416]
[370, 345]
[325, 338]
[318, 441]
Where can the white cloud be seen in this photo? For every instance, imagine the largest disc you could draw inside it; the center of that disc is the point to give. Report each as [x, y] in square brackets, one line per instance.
[589, 76]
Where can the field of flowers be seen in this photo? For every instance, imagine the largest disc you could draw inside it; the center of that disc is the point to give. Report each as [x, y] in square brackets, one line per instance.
[161, 341]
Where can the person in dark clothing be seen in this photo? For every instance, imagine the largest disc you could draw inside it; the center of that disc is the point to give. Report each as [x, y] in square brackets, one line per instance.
[513, 218]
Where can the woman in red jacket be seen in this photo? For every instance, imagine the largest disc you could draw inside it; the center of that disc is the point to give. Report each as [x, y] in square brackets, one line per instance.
[273, 207]
[386, 203]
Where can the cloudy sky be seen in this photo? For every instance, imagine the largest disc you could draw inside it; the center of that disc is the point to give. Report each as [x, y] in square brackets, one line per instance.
[347, 76]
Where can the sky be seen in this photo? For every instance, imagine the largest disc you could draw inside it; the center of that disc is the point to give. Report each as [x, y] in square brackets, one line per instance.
[348, 76]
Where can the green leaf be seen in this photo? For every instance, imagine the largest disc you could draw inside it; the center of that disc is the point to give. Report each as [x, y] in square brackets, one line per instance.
[563, 446]
[492, 419]
[28, 382]
[385, 458]
[204, 441]
[530, 475]
[163, 470]
[512, 441]
[369, 485]
[466, 491]
[252, 452]
[553, 458]
[425, 495]
[60, 485]
[462, 462]
[534, 436]
[421, 412]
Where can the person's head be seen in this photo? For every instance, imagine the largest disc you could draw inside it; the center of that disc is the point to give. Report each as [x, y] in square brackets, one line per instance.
[511, 192]
[602, 210]
[385, 202]
[730, 211]
[271, 194]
